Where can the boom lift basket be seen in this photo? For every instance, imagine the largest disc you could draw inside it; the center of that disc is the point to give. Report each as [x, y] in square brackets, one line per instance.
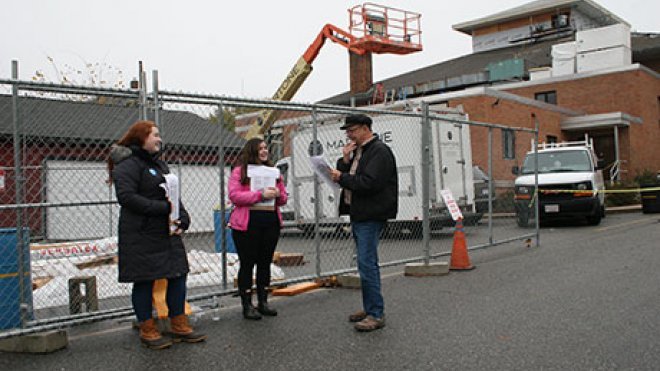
[380, 29]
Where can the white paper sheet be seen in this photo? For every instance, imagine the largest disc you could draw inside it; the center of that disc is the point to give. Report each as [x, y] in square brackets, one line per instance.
[172, 191]
[262, 177]
[322, 169]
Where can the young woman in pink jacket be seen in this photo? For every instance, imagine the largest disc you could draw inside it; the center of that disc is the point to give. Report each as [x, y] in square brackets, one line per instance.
[255, 228]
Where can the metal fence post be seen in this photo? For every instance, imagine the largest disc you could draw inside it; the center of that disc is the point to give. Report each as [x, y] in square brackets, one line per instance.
[491, 187]
[143, 95]
[154, 82]
[317, 193]
[536, 180]
[110, 229]
[18, 185]
[426, 151]
[462, 161]
[221, 164]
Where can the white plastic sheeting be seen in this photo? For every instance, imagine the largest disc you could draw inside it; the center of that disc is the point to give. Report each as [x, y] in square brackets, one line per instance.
[205, 271]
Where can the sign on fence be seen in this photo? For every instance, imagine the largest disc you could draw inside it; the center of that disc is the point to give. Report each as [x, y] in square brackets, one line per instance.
[454, 210]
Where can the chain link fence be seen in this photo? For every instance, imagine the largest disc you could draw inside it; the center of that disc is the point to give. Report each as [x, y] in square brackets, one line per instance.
[58, 212]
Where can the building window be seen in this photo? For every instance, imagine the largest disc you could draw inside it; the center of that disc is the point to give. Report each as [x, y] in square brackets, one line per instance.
[551, 139]
[560, 20]
[509, 144]
[547, 97]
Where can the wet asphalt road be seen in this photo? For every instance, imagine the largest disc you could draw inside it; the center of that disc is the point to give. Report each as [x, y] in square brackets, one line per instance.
[587, 299]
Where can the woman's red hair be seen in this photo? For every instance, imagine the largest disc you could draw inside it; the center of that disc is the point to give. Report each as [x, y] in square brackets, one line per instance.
[135, 136]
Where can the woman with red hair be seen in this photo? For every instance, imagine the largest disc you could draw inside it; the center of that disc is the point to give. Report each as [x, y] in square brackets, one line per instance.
[149, 249]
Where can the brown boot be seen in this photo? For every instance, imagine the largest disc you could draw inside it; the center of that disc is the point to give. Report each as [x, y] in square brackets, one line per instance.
[151, 337]
[357, 316]
[182, 331]
[370, 324]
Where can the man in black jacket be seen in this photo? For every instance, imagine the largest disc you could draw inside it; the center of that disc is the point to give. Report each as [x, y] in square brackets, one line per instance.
[367, 175]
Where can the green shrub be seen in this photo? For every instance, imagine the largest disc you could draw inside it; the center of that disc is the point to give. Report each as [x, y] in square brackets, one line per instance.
[622, 199]
[503, 203]
[646, 177]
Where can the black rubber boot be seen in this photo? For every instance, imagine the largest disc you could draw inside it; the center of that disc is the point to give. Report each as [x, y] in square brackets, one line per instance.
[262, 307]
[249, 312]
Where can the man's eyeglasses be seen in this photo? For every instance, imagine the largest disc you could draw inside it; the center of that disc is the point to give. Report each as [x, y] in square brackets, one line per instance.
[353, 129]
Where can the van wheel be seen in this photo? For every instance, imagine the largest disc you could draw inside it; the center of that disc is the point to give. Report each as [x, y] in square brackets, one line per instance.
[307, 232]
[595, 219]
[406, 230]
[391, 230]
[522, 219]
[343, 231]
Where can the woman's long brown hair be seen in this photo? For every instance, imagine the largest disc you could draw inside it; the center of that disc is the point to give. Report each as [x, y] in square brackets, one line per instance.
[250, 156]
[135, 136]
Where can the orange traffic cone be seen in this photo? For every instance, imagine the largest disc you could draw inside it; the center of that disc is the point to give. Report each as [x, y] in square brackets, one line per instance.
[459, 255]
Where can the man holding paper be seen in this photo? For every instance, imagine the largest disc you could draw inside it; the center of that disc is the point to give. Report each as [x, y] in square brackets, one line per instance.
[257, 191]
[367, 174]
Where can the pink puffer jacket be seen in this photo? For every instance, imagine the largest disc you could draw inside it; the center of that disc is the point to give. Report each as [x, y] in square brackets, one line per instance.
[242, 198]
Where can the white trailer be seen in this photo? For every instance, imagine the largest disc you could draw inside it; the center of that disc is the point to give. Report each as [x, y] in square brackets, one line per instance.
[451, 169]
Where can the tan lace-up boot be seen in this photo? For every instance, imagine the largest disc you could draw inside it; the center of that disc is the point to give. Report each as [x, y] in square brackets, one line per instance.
[151, 337]
[182, 331]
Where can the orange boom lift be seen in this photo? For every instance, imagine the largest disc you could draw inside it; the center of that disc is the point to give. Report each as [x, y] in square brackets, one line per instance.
[372, 29]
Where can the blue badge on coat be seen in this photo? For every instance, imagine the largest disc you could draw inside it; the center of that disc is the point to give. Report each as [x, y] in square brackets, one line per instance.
[153, 172]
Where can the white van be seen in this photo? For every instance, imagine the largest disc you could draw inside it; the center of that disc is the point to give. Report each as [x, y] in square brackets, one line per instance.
[570, 183]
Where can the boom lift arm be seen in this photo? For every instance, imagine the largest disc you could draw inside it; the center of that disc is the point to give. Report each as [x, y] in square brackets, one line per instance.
[299, 73]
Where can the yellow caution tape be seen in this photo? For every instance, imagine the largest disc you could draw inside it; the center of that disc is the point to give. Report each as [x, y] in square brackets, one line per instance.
[632, 190]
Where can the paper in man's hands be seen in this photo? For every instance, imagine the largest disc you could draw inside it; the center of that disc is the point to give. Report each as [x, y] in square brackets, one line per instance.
[262, 177]
[322, 169]
[172, 191]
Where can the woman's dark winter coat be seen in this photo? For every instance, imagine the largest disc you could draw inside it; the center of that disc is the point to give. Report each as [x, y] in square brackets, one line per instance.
[146, 249]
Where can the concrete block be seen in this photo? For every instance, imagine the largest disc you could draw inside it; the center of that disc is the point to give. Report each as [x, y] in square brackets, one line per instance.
[77, 298]
[43, 342]
[351, 281]
[423, 270]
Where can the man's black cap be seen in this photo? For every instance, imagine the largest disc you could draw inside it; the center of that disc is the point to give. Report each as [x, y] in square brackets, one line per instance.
[356, 120]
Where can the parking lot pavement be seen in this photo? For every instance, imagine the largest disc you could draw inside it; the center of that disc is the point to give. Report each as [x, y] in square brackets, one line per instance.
[586, 298]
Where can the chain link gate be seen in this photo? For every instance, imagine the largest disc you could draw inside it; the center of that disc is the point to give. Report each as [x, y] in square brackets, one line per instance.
[59, 214]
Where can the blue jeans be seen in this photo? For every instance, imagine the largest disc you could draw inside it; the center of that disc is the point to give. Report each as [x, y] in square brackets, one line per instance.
[366, 235]
[175, 298]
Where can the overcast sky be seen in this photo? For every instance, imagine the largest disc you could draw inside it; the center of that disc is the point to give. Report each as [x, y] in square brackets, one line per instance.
[237, 48]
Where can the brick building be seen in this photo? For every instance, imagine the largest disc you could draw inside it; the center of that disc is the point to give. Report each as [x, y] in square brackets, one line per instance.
[572, 64]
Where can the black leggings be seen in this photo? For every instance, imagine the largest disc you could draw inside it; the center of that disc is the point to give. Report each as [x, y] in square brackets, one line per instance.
[256, 246]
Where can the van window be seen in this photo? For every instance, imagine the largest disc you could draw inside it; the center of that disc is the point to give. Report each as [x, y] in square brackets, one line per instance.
[559, 161]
